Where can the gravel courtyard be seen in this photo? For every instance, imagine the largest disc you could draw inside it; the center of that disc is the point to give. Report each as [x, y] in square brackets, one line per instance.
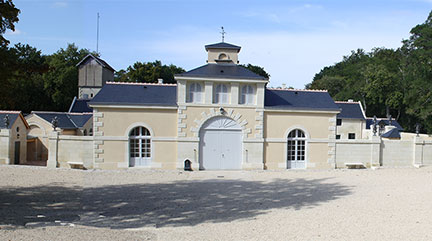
[37, 203]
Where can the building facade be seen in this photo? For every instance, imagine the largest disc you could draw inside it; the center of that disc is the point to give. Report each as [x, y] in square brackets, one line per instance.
[217, 116]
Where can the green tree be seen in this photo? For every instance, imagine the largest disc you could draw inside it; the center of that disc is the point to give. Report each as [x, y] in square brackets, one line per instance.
[8, 18]
[418, 74]
[148, 72]
[61, 81]
[257, 70]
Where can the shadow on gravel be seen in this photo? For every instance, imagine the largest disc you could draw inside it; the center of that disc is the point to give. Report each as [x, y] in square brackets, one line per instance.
[183, 203]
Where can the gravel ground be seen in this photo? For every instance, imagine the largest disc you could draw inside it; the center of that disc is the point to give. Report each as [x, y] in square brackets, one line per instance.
[37, 203]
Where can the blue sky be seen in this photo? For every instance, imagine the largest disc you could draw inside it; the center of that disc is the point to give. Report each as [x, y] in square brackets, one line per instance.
[292, 40]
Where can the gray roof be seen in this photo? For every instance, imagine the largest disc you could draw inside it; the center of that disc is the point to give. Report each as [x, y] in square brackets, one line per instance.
[65, 120]
[230, 71]
[80, 106]
[136, 94]
[369, 122]
[350, 110]
[393, 133]
[99, 60]
[13, 115]
[222, 45]
[299, 99]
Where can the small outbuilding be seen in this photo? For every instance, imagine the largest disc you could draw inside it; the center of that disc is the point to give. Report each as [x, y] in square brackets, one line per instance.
[13, 137]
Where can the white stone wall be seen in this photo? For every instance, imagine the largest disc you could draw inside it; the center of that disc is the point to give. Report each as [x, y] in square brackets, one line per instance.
[75, 149]
[5, 157]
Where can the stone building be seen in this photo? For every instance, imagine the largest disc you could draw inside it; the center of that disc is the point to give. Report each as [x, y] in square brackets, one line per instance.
[218, 116]
[13, 137]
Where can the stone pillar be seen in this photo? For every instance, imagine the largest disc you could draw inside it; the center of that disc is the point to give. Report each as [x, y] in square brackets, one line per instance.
[260, 95]
[418, 151]
[5, 145]
[208, 93]
[181, 91]
[234, 93]
[375, 152]
[53, 150]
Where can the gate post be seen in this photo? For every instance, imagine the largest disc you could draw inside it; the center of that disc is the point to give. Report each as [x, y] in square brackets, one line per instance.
[53, 150]
[5, 144]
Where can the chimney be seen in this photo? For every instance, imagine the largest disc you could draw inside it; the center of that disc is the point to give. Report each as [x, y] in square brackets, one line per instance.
[284, 86]
[160, 81]
[350, 100]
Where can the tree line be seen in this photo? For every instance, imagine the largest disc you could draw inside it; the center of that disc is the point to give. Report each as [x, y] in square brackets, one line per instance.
[396, 82]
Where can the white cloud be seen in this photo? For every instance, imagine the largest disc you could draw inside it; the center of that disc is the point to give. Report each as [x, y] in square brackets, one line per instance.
[14, 33]
[60, 4]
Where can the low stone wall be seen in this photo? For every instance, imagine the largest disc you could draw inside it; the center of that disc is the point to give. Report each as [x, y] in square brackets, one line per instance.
[67, 151]
[408, 151]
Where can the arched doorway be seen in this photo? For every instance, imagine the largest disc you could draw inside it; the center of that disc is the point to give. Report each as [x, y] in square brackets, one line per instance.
[37, 146]
[220, 144]
[296, 150]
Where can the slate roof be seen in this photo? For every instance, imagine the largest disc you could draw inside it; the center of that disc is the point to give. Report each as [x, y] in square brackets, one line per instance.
[299, 99]
[393, 133]
[80, 106]
[350, 110]
[80, 119]
[13, 115]
[369, 122]
[114, 93]
[230, 71]
[99, 60]
[222, 45]
[65, 120]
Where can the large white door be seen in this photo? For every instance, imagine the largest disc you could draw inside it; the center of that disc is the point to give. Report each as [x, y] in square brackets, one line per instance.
[220, 144]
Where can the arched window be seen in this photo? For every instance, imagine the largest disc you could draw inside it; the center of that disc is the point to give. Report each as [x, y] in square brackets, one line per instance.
[139, 147]
[223, 56]
[296, 149]
[221, 94]
[91, 132]
[194, 93]
[85, 132]
[247, 95]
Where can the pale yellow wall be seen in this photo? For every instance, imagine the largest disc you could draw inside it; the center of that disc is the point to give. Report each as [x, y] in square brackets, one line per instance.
[213, 54]
[317, 125]
[318, 128]
[195, 118]
[351, 126]
[116, 121]
[116, 124]
[20, 136]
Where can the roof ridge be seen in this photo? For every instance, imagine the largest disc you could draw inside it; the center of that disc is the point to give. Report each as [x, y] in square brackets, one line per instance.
[134, 83]
[10, 111]
[48, 112]
[304, 90]
[80, 113]
[347, 102]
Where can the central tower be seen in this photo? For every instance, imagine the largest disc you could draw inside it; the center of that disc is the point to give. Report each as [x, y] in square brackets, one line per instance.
[222, 53]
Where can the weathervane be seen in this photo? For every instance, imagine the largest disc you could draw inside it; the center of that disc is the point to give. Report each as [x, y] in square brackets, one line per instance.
[223, 33]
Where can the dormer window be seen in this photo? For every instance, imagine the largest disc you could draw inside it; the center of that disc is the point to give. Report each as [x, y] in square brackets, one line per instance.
[194, 93]
[221, 94]
[247, 95]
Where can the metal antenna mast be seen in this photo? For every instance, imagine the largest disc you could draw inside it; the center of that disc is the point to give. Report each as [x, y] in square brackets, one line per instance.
[97, 34]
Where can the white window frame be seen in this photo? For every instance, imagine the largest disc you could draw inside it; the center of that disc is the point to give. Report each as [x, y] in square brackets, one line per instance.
[221, 94]
[247, 95]
[195, 93]
[296, 146]
[140, 147]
